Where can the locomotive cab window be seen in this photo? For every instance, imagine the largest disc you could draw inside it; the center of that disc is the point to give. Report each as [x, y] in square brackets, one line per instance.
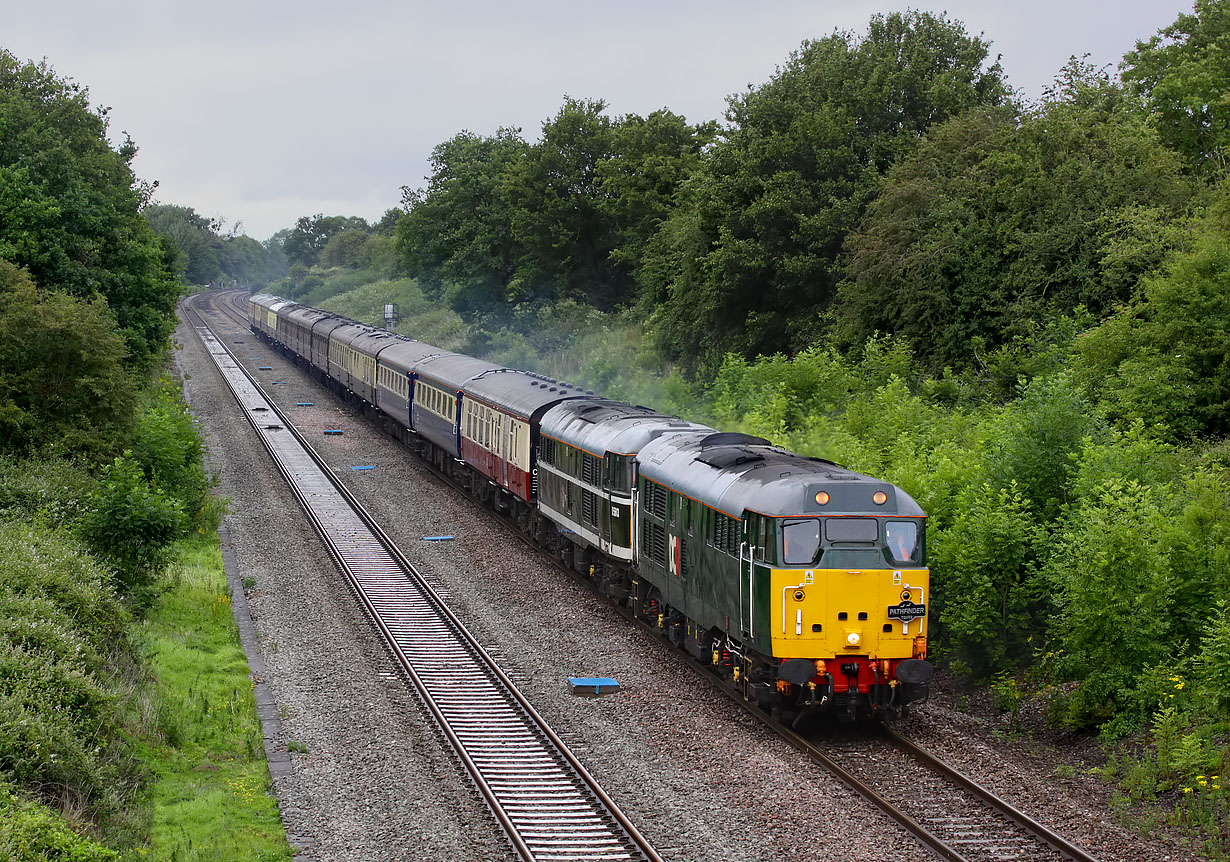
[800, 541]
[847, 530]
[618, 473]
[902, 540]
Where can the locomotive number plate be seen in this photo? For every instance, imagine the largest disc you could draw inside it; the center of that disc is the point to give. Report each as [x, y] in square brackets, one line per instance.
[906, 611]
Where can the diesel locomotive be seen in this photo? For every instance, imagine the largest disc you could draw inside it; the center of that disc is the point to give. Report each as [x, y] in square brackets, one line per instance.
[800, 583]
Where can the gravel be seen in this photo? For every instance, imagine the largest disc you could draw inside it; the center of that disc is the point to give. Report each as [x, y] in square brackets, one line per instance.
[701, 779]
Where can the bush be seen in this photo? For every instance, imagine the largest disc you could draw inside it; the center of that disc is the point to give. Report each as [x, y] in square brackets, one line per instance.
[65, 664]
[133, 525]
[992, 605]
[53, 491]
[168, 446]
[32, 833]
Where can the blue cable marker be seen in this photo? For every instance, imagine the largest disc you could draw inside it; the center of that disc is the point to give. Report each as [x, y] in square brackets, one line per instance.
[333, 430]
[362, 468]
[599, 684]
[437, 538]
[265, 368]
[304, 404]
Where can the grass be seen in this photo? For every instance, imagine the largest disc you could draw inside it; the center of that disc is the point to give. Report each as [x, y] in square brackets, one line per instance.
[212, 798]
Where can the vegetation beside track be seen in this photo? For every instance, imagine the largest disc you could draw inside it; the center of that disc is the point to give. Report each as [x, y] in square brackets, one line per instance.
[210, 793]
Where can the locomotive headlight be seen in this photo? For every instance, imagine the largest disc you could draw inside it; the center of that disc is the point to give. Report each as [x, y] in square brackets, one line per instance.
[880, 498]
[822, 498]
[905, 595]
[853, 639]
[799, 595]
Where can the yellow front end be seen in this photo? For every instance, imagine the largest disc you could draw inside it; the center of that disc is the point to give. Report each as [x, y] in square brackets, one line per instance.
[830, 613]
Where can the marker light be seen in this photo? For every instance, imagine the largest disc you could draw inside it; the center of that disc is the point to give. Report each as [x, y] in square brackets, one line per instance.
[880, 498]
[852, 638]
[822, 498]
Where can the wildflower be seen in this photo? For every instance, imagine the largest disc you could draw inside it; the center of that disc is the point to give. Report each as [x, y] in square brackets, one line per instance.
[1178, 685]
[1187, 790]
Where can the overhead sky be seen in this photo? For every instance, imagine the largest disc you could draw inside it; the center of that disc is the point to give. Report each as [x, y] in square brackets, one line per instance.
[262, 111]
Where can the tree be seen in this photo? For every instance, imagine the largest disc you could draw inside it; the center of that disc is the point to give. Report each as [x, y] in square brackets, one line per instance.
[305, 241]
[1183, 73]
[751, 257]
[1165, 358]
[346, 248]
[459, 231]
[69, 205]
[566, 239]
[1002, 220]
[651, 158]
[63, 385]
[195, 237]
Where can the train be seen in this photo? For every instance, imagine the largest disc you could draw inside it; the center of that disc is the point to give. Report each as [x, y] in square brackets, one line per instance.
[799, 583]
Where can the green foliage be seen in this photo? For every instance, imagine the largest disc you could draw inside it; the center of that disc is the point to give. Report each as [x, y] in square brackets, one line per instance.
[506, 227]
[751, 256]
[63, 653]
[167, 444]
[1184, 75]
[69, 205]
[63, 385]
[1136, 569]
[984, 560]
[48, 490]
[132, 525]
[212, 796]
[303, 244]
[1001, 221]
[204, 254]
[30, 832]
[421, 318]
[1038, 439]
[1211, 665]
[1166, 357]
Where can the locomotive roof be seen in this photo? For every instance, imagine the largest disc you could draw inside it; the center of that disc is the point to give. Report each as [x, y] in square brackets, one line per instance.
[737, 472]
[601, 425]
[264, 300]
[522, 392]
[453, 369]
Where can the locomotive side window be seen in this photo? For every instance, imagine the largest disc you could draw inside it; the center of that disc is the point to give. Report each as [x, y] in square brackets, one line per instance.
[851, 529]
[800, 541]
[902, 540]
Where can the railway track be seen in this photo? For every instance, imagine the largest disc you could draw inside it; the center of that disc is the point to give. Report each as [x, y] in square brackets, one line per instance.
[542, 797]
[952, 816]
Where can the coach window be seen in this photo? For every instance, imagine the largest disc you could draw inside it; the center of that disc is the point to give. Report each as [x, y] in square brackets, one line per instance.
[800, 541]
[902, 540]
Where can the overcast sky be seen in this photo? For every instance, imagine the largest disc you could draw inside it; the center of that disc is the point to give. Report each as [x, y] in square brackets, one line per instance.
[266, 110]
